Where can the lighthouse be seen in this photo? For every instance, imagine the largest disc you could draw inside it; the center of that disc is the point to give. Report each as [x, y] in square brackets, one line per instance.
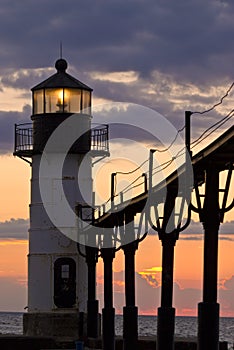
[57, 274]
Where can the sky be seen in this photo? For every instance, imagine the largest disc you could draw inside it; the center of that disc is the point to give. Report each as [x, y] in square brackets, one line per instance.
[165, 55]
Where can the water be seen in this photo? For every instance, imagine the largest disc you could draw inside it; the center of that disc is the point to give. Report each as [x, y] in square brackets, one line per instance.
[184, 327]
[12, 323]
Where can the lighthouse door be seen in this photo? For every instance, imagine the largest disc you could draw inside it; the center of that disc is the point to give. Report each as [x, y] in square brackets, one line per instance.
[65, 283]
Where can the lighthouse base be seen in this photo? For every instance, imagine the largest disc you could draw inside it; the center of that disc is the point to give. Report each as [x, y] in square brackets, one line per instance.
[64, 326]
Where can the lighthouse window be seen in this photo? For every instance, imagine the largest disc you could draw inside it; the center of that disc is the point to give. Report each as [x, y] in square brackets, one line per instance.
[54, 101]
[65, 271]
[38, 105]
[73, 100]
[61, 100]
[86, 98]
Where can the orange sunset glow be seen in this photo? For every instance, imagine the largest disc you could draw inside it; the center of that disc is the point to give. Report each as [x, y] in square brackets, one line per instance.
[14, 185]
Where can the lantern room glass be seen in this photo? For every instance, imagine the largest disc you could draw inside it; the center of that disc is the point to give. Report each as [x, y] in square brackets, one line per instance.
[61, 100]
[38, 102]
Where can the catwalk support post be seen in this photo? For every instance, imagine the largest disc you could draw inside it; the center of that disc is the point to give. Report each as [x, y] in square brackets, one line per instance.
[108, 312]
[166, 313]
[208, 309]
[92, 303]
[130, 311]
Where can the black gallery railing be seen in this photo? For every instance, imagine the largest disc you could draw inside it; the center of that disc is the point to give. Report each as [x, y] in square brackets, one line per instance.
[24, 138]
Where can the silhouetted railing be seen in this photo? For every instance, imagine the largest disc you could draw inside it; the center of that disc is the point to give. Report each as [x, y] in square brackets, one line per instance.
[24, 139]
[100, 138]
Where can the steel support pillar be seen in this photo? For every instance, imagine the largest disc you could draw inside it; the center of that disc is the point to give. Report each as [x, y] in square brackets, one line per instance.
[166, 313]
[208, 309]
[130, 311]
[92, 303]
[108, 312]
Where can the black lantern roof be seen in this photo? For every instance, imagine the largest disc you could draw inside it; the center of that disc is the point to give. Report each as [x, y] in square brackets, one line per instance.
[61, 79]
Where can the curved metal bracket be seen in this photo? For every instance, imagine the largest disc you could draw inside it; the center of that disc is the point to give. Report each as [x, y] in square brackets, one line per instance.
[195, 209]
[187, 220]
[79, 251]
[229, 207]
[142, 238]
[225, 209]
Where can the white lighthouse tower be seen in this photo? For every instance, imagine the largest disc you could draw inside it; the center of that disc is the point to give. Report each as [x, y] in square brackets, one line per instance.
[57, 274]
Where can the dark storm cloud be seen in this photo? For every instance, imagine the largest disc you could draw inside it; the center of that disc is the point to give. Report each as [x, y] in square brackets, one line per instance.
[162, 100]
[190, 40]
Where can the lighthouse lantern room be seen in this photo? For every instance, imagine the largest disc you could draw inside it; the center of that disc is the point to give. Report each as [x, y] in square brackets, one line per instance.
[61, 93]
[57, 274]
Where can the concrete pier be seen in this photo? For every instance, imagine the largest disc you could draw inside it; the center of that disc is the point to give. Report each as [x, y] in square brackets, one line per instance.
[11, 342]
[149, 343]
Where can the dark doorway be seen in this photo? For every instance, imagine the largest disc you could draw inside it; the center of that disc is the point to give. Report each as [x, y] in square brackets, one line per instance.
[65, 283]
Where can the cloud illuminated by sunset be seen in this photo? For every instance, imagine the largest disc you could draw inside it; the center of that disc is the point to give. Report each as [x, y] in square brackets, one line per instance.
[116, 77]
[152, 276]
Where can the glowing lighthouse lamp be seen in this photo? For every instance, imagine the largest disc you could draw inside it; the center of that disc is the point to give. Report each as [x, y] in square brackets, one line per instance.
[57, 274]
